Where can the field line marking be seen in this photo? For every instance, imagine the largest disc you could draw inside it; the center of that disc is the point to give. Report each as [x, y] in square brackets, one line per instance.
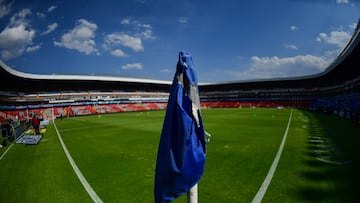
[22, 134]
[82, 179]
[6, 151]
[260, 194]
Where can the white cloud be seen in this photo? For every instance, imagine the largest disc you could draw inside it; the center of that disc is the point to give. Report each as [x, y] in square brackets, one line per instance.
[165, 70]
[148, 26]
[135, 23]
[147, 34]
[14, 40]
[339, 38]
[183, 20]
[20, 18]
[40, 15]
[33, 48]
[321, 36]
[118, 52]
[17, 36]
[50, 28]
[80, 38]
[51, 8]
[4, 8]
[134, 41]
[291, 46]
[144, 31]
[293, 28]
[353, 26]
[342, 1]
[122, 39]
[132, 66]
[331, 54]
[126, 21]
[275, 67]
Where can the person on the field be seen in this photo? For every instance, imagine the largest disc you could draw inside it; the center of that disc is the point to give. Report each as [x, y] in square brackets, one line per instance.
[36, 125]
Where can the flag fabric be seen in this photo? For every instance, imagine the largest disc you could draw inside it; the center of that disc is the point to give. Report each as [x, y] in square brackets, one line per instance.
[181, 153]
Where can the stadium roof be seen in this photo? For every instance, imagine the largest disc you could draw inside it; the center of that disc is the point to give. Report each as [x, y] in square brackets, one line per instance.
[346, 67]
[16, 81]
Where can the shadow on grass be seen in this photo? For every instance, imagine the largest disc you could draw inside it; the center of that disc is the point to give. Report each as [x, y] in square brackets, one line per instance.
[331, 160]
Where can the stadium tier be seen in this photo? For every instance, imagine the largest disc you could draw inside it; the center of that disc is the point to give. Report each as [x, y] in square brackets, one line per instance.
[336, 89]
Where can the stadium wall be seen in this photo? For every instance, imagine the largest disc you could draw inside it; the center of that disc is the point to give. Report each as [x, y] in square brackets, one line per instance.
[346, 105]
[49, 112]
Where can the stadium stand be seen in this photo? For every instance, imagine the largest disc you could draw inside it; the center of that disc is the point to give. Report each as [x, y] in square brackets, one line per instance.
[336, 90]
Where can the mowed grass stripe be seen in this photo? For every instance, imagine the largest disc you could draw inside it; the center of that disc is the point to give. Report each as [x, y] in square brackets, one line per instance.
[243, 145]
[300, 177]
[125, 142]
[39, 173]
[117, 156]
[4, 153]
[118, 160]
[261, 193]
[77, 171]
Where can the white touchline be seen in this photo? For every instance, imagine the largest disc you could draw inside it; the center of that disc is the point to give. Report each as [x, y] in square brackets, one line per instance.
[82, 179]
[260, 194]
[6, 151]
[12, 144]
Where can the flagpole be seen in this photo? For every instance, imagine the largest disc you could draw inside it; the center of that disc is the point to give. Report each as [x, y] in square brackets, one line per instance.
[192, 194]
[179, 172]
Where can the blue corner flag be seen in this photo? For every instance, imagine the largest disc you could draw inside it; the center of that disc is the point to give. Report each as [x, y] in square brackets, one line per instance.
[181, 154]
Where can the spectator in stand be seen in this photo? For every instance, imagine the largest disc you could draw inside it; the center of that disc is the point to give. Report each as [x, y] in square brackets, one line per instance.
[36, 125]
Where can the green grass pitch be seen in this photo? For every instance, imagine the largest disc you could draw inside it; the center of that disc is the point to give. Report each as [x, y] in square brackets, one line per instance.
[116, 153]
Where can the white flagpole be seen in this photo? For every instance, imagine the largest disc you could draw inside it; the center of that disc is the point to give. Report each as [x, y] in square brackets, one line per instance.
[192, 194]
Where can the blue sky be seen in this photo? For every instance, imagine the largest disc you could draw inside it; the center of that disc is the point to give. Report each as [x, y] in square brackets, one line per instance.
[230, 40]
